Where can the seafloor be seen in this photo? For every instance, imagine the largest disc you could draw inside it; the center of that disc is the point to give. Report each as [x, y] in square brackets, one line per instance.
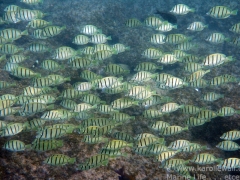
[110, 16]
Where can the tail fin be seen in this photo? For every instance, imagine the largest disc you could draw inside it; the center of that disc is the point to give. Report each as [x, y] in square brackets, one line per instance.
[234, 12]
[2, 58]
[62, 28]
[72, 160]
[50, 107]
[24, 32]
[192, 10]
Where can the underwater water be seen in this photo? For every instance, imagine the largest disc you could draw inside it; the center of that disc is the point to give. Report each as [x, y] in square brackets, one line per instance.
[119, 89]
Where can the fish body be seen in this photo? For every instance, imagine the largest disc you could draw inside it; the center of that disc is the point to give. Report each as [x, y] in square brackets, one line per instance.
[221, 12]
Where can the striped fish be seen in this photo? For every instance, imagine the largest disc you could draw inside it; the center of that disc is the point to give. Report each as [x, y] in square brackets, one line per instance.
[206, 114]
[163, 156]
[108, 82]
[102, 55]
[33, 91]
[221, 12]
[38, 23]
[227, 111]
[117, 144]
[99, 38]
[70, 94]
[51, 133]
[89, 75]
[195, 122]
[166, 26]
[176, 38]
[205, 158]
[37, 47]
[52, 115]
[46, 145]
[170, 107]
[6, 103]
[64, 52]
[147, 141]
[158, 38]
[123, 103]
[83, 107]
[12, 129]
[37, 34]
[7, 111]
[26, 15]
[12, 34]
[22, 72]
[185, 46]
[83, 86]
[147, 66]
[156, 149]
[17, 58]
[10, 49]
[216, 59]
[32, 108]
[133, 22]
[152, 113]
[231, 135]
[200, 83]
[81, 39]
[230, 163]
[153, 21]
[197, 75]
[42, 82]
[120, 47]
[92, 99]
[94, 140]
[172, 130]
[12, 8]
[152, 53]
[95, 161]
[192, 67]
[235, 28]
[4, 84]
[212, 96]
[51, 65]
[31, 2]
[106, 109]
[142, 76]
[228, 146]
[80, 63]
[193, 147]
[116, 69]
[216, 38]
[102, 47]
[90, 30]
[34, 124]
[159, 125]
[181, 9]
[51, 31]
[8, 96]
[197, 26]
[68, 104]
[121, 117]
[11, 17]
[123, 136]
[59, 160]
[14, 145]
[178, 144]
[174, 83]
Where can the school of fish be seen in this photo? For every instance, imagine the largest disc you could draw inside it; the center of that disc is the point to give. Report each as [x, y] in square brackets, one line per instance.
[94, 119]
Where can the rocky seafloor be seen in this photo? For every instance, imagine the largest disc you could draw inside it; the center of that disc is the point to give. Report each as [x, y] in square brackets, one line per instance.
[110, 16]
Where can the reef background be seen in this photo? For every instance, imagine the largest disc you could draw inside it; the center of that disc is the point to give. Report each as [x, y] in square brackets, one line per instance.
[110, 16]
